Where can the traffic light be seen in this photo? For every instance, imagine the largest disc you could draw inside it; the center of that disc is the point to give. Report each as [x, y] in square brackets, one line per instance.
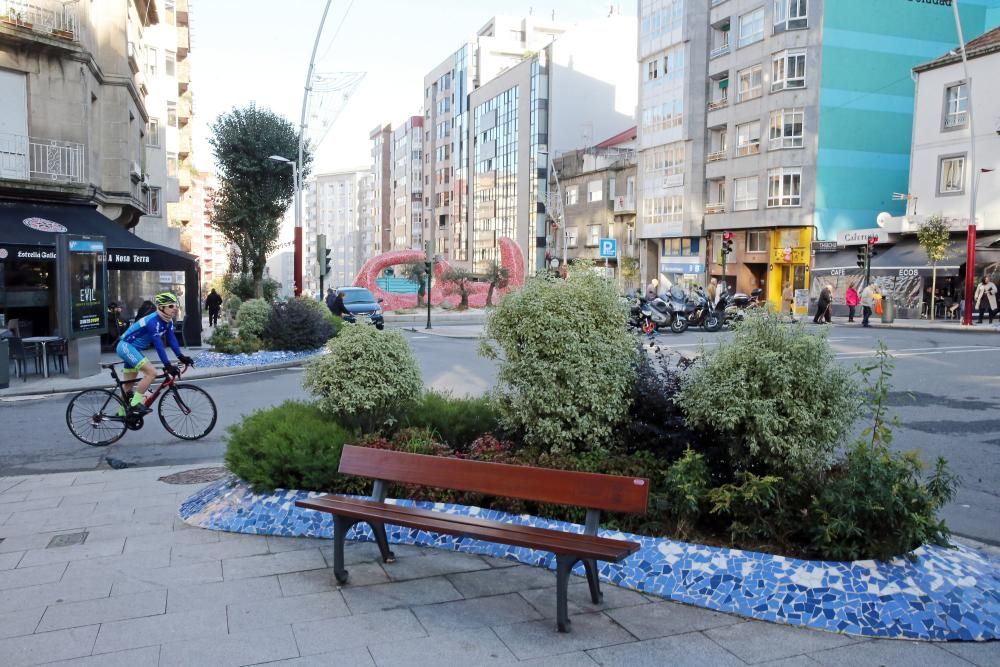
[862, 257]
[322, 254]
[872, 240]
[727, 243]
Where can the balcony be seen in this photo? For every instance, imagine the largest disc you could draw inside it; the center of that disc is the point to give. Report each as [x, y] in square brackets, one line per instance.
[185, 109]
[958, 119]
[25, 158]
[715, 156]
[183, 144]
[715, 105]
[751, 148]
[183, 70]
[183, 179]
[181, 12]
[624, 204]
[140, 196]
[46, 18]
[720, 50]
[183, 42]
[134, 61]
[715, 207]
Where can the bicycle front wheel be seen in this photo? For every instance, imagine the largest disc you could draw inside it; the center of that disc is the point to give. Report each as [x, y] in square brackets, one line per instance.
[187, 412]
[96, 417]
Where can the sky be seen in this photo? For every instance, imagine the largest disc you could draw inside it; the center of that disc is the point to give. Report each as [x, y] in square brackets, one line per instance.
[247, 51]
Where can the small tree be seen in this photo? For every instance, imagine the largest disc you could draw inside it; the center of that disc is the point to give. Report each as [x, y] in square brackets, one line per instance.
[458, 282]
[498, 277]
[417, 272]
[935, 239]
[628, 269]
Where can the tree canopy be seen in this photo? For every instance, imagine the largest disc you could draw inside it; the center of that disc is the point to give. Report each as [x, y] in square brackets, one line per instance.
[254, 191]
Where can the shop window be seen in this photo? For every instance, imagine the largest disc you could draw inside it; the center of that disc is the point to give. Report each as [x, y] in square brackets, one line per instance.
[757, 241]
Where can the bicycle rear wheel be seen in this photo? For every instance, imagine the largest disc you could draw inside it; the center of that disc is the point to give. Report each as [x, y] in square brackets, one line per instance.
[187, 412]
[96, 417]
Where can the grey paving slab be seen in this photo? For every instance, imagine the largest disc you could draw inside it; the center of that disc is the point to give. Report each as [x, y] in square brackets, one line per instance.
[874, 654]
[109, 518]
[544, 599]
[380, 597]
[797, 661]
[47, 647]
[247, 616]
[538, 639]
[168, 577]
[262, 645]
[89, 549]
[9, 505]
[22, 622]
[467, 647]
[130, 529]
[40, 517]
[4, 516]
[152, 630]
[108, 498]
[154, 513]
[508, 580]
[139, 657]
[259, 566]
[193, 553]
[756, 641]
[355, 657]
[478, 612]
[690, 650]
[21, 543]
[121, 565]
[575, 659]
[356, 631]
[93, 490]
[433, 564]
[981, 654]
[279, 544]
[31, 576]
[62, 591]
[104, 610]
[218, 595]
[499, 562]
[164, 540]
[663, 619]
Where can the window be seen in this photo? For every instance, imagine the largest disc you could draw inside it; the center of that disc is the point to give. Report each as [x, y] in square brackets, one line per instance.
[956, 106]
[171, 164]
[153, 132]
[750, 83]
[752, 27]
[170, 10]
[593, 235]
[571, 233]
[951, 176]
[788, 70]
[170, 64]
[679, 247]
[663, 209]
[784, 187]
[172, 114]
[595, 191]
[571, 194]
[786, 129]
[748, 138]
[611, 188]
[667, 159]
[757, 241]
[653, 69]
[745, 198]
[153, 202]
[790, 15]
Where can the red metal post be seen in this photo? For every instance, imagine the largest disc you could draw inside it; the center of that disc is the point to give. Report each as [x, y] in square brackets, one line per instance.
[970, 274]
[298, 261]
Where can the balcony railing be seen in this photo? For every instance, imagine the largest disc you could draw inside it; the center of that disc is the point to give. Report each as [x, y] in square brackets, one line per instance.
[752, 148]
[716, 207]
[45, 17]
[718, 104]
[32, 158]
[183, 41]
[624, 204]
[956, 119]
[721, 49]
[715, 156]
[183, 75]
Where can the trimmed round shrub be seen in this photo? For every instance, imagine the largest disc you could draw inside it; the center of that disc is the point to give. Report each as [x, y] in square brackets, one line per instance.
[456, 421]
[225, 341]
[291, 446]
[252, 317]
[568, 362]
[368, 379]
[778, 393]
[296, 326]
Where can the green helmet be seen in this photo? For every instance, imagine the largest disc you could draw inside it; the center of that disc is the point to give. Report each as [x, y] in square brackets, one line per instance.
[165, 299]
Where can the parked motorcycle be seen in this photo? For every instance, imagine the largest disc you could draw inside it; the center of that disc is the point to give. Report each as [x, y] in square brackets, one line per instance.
[736, 305]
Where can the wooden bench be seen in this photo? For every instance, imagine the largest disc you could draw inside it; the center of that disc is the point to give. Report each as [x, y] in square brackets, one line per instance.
[559, 487]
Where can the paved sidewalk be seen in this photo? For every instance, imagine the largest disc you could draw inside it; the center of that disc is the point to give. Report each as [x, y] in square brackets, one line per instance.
[143, 588]
[951, 326]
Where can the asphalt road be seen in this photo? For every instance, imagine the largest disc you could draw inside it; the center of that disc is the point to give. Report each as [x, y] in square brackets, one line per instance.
[946, 393]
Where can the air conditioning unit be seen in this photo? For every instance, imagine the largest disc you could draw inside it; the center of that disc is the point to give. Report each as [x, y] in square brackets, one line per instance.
[136, 171]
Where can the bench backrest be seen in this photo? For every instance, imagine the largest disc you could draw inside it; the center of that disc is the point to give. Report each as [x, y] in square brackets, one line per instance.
[559, 487]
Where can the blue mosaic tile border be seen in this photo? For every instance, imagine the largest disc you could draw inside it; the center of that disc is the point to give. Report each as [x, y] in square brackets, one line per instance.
[943, 595]
[220, 360]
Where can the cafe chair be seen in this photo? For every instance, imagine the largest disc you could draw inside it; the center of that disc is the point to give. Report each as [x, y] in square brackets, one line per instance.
[179, 332]
[952, 312]
[20, 352]
[58, 352]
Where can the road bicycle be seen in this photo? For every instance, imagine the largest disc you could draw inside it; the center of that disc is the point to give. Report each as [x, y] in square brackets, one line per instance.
[99, 417]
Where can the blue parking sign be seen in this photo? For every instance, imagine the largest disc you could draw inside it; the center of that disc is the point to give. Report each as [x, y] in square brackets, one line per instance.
[609, 248]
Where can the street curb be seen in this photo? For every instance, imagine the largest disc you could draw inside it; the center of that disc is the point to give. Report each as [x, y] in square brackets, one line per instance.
[440, 318]
[917, 327]
[442, 334]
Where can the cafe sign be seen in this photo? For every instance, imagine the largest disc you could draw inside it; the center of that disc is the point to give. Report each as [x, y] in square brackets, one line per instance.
[862, 236]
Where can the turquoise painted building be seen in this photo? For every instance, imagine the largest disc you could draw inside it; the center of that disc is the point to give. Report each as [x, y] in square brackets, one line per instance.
[868, 49]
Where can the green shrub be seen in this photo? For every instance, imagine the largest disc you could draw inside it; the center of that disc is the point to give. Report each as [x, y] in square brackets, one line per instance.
[252, 317]
[243, 286]
[760, 510]
[685, 492]
[291, 446]
[568, 362]
[231, 306]
[225, 341]
[456, 421]
[369, 378]
[297, 326]
[778, 392]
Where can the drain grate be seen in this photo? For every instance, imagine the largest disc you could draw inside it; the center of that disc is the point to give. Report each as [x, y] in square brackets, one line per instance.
[67, 540]
[196, 476]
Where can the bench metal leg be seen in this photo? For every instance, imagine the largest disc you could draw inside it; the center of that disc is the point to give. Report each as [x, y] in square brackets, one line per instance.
[378, 530]
[564, 565]
[341, 524]
[590, 565]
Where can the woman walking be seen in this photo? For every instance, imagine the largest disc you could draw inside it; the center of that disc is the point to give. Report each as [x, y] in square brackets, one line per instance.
[852, 300]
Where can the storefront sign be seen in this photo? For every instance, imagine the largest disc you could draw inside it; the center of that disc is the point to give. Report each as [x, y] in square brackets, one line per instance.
[82, 282]
[824, 246]
[862, 236]
[680, 267]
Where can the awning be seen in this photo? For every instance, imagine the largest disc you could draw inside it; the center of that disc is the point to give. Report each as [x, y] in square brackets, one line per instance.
[28, 232]
[906, 258]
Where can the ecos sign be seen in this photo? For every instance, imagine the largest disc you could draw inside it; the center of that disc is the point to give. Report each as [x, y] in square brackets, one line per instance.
[862, 236]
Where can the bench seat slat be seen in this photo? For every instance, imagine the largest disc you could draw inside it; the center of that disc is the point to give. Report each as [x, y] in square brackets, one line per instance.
[584, 546]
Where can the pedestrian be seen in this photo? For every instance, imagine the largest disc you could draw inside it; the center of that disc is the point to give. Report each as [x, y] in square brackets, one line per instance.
[651, 290]
[986, 298]
[331, 296]
[852, 299]
[788, 300]
[823, 305]
[338, 308]
[867, 303]
[213, 304]
[713, 286]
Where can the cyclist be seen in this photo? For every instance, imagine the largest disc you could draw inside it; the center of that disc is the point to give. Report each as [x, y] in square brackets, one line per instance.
[146, 331]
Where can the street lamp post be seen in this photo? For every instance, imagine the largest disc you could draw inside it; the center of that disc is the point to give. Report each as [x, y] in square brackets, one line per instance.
[298, 221]
[970, 259]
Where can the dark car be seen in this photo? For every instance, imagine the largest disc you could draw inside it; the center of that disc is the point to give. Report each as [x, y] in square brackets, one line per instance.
[360, 301]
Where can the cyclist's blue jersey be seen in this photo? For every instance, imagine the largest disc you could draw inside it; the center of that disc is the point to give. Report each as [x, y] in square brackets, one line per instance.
[147, 330]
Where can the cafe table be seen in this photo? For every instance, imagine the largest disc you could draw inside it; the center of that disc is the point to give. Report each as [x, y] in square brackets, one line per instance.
[44, 340]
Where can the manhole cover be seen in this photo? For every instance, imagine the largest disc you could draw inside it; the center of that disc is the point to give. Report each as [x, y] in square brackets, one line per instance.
[196, 476]
[67, 540]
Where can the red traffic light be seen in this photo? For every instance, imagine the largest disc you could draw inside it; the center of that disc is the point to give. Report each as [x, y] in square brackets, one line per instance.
[727, 236]
[872, 240]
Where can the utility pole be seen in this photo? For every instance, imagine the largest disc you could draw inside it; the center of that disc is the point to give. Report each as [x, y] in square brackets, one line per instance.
[970, 170]
[430, 271]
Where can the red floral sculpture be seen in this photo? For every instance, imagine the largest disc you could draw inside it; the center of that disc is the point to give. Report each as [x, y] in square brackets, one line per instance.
[510, 257]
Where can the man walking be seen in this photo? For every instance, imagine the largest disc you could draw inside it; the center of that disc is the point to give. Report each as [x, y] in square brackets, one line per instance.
[867, 303]
[986, 298]
[823, 304]
[213, 304]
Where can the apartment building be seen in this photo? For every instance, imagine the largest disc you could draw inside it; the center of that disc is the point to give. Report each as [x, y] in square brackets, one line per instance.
[75, 133]
[829, 83]
[381, 170]
[330, 207]
[200, 236]
[365, 247]
[407, 185]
